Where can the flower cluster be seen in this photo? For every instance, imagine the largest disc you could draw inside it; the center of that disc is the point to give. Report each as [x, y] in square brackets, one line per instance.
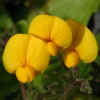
[27, 55]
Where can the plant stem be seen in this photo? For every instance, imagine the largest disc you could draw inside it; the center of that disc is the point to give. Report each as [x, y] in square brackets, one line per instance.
[23, 92]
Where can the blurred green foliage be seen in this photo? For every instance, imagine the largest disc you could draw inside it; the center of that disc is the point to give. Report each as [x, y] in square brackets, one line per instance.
[80, 10]
[4, 20]
[98, 39]
[57, 82]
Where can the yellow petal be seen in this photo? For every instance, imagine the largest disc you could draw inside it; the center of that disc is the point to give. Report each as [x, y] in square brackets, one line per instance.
[21, 74]
[61, 33]
[41, 26]
[84, 41]
[71, 59]
[25, 74]
[75, 28]
[30, 73]
[52, 48]
[87, 48]
[15, 51]
[37, 54]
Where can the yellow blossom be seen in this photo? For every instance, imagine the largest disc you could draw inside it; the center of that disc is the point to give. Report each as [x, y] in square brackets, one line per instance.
[51, 29]
[71, 59]
[24, 55]
[83, 43]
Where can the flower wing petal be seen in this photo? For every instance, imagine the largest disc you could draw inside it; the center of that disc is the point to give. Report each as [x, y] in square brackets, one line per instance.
[37, 54]
[87, 48]
[41, 26]
[61, 33]
[15, 51]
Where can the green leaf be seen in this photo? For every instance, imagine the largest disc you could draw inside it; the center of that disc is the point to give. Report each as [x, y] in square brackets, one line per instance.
[80, 10]
[98, 60]
[39, 83]
[84, 70]
[22, 26]
[98, 39]
[5, 20]
[30, 16]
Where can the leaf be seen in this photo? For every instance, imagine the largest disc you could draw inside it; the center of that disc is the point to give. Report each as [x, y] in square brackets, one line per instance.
[30, 16]
[98, 60]
[98, 39]
[22, 26]
[6, 20]
[39, 83]
[80, 10]
[84, 70]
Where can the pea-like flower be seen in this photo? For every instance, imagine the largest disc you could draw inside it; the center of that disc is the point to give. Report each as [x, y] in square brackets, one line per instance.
[54, 30]
[25, 55]
[84, 46]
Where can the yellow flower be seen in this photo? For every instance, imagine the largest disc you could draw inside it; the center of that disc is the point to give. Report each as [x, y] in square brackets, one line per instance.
[53, 30]
[84, 45]
[24, 55]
